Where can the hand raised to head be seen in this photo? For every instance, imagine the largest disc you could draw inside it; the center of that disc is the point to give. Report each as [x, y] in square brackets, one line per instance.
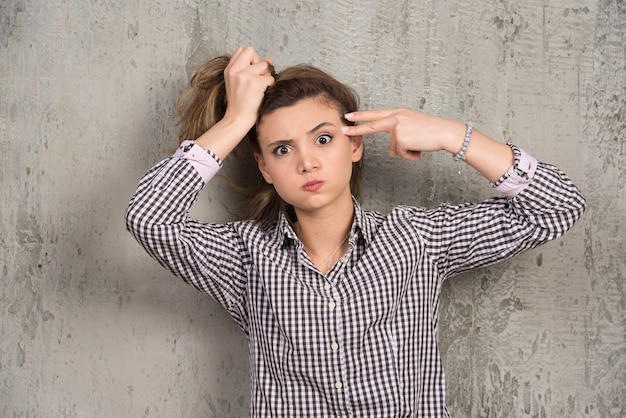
[246, 78]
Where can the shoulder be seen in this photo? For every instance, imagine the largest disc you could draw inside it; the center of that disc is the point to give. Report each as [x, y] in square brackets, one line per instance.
[400, 218]
[431, 222]
[255, 234]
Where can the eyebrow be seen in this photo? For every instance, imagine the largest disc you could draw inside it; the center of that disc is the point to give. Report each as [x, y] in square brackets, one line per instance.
[320, 126]
[316, 128]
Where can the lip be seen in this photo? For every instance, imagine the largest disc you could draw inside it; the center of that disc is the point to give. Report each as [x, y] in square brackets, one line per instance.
[312, 186]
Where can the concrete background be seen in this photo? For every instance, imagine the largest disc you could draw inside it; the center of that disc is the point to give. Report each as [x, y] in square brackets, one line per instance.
[91, 327]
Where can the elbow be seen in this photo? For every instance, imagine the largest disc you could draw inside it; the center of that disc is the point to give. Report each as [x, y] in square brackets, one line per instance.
[579, 207]
[133, 218]
[576, 206]
[567, 216]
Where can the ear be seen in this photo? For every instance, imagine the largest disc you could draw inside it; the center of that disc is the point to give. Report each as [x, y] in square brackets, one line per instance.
[261, 164]
[357, 148]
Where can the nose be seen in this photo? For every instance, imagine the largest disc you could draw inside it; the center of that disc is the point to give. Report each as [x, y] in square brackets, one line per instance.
[308, 161]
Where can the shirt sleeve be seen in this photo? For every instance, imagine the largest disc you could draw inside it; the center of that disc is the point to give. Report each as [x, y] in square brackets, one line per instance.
[540, 203]
[519, 175]
[211, 257]
[205, 162]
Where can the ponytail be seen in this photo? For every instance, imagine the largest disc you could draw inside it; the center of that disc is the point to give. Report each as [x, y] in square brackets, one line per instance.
[203, 103]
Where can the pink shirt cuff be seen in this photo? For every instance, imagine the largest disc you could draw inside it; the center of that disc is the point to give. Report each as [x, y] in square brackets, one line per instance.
[519, 176]
[206, 163]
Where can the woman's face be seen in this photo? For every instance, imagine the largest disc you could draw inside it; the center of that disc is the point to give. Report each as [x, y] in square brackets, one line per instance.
[304, 154]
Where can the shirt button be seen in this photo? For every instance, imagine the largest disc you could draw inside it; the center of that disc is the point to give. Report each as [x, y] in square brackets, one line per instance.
[334, 346]
[338, 385]
[327, 286]
[332, 305]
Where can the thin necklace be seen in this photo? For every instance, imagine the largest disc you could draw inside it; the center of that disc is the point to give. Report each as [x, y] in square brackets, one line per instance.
[327, 259]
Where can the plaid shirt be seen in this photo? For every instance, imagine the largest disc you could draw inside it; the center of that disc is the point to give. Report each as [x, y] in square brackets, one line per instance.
[360, 341]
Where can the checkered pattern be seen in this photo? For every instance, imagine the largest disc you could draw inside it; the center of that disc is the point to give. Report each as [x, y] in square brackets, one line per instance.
[362, 340]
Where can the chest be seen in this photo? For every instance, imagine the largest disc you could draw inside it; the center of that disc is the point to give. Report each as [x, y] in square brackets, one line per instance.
[375, 286]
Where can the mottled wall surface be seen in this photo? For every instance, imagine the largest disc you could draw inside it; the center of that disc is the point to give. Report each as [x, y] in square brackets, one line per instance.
[91, 327]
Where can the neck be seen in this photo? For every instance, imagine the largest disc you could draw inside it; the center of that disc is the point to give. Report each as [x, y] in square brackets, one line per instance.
[325, 237]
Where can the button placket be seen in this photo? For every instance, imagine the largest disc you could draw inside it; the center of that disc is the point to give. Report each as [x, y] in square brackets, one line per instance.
[332, 290]
[331, 304]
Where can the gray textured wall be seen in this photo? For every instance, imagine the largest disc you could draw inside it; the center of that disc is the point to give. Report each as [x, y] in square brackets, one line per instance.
[91, 327]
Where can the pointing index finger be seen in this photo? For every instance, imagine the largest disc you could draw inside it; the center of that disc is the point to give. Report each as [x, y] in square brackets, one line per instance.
[368, 115]
[376, 121]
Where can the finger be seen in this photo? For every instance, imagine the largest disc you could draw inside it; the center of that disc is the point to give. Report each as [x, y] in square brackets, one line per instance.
[233, 59]
[235, 55]
[250, 54]
[242, 58]
[393, 145]
[368, 115]
[236, 52]
[255, 58]
[369, 128]
[270, 65]
[411, 155]
[398, 149]
[269, 80]
[260, 68]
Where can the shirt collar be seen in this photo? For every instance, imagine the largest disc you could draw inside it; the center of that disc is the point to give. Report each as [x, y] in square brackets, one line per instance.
[362, 226]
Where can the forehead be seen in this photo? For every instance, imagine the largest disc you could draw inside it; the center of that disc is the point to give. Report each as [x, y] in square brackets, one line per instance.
[289, 121]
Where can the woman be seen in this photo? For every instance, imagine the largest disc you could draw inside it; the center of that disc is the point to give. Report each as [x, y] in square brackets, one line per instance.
[339, 304]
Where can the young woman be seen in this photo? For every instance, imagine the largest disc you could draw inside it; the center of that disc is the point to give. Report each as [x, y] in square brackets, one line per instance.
[339, 304]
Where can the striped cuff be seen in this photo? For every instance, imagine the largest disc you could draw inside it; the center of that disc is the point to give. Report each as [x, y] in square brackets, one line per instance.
[206, 163]
[519, 176]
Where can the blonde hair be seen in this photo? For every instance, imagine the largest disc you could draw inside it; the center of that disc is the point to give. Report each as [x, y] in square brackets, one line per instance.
[204, 103]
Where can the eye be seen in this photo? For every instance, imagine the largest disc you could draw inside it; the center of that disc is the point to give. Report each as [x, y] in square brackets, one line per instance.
[281, 150]
[323, 139]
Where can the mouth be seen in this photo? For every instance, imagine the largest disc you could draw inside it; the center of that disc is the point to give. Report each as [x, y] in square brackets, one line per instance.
[312, 186]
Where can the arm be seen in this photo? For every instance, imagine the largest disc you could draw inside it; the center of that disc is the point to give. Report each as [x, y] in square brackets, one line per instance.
[209, 257]
[540, 202]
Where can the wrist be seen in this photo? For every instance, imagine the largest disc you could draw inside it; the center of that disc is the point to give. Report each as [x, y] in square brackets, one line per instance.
[466, 140]
[238, 124]
[223, 137]
[454, 137]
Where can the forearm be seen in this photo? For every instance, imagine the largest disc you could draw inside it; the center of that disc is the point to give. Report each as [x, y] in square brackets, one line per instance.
[223, 137]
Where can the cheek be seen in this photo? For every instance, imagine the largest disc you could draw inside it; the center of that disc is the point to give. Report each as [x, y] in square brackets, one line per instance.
[344, 158]
[278, 170]
[274, 166]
